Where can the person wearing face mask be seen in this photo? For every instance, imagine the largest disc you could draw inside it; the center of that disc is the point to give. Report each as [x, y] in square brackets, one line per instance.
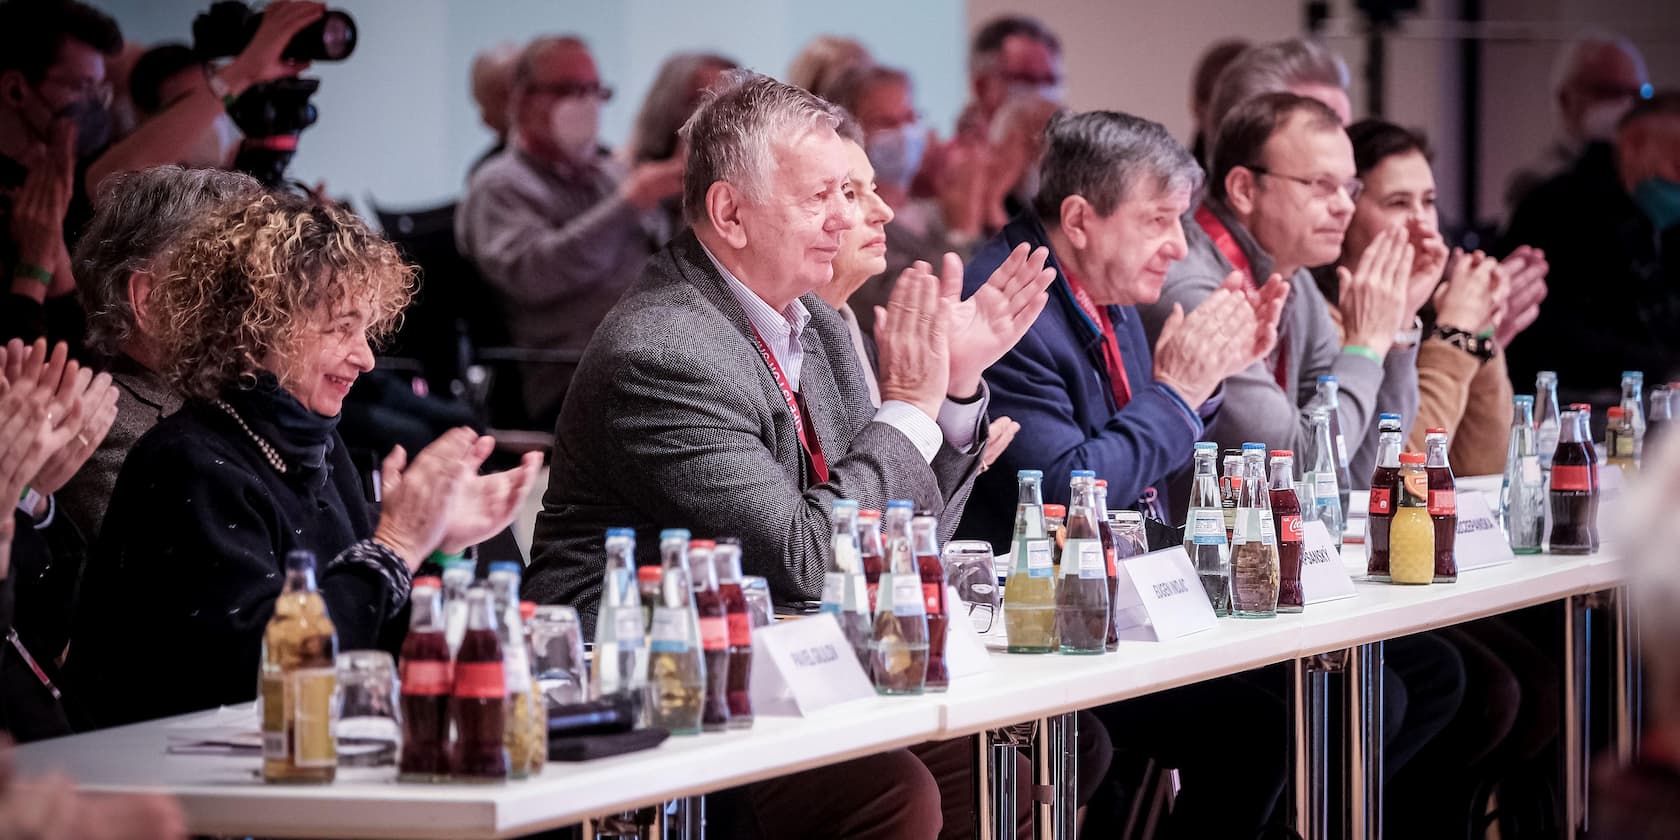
[163, 76]
[53, 95]
[1614, 249]
[1010, 55]
[557, 225]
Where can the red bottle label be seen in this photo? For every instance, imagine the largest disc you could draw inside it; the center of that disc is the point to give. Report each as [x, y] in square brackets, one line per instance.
[714, 633]
[1571, 477]
[931, 595]
[480, 680]
[1442, 503]
[873, 588]
[1291, 529]
[1380, 503]
[740, 629]
[425, 678]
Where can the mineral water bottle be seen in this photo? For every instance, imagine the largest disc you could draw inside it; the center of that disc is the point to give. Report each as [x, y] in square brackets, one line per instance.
[1029, 598]
[1204, 531]
[1082, 593]
[901, 627]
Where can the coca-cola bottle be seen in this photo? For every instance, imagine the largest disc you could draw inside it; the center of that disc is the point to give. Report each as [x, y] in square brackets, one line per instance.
[1585, 421]
[478, 699]
[845, 591]
[714, 635]
[924, 535]
[1385, 495]
[425, 676]
[873, 552]
[1106, 531]
[1286, 517]
[901, 627]
[1574, 492]
[726, 560]
[1443, 504]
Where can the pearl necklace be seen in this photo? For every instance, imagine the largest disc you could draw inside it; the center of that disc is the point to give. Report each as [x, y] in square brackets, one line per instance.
[268, 451]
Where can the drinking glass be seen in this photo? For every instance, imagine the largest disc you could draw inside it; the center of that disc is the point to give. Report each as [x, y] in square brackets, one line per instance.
[969, 567]
[759, 605]
[369, 728]
[1129, 538]
[556, 638]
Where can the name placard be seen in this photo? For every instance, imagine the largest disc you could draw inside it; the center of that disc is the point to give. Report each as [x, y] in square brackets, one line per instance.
[804, 665]
[1160, 597]
[1479, 542]
[1323, 576]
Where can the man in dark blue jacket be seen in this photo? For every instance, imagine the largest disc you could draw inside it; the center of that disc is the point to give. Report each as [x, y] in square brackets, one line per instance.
[1083, 383]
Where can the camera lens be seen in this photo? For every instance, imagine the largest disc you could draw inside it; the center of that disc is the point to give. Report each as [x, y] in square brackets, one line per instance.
[338, 36]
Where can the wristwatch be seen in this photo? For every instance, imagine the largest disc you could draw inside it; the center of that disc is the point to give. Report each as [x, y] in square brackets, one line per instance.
[1478, 346]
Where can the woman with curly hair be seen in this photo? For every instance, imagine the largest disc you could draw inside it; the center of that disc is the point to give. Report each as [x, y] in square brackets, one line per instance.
[264, 314]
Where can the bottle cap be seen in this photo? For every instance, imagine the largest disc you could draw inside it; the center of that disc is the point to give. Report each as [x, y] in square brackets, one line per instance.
[621, 532]
[1615, 412]
[1634, 374]
[648, 574]
[1412, 458]
[460, 563]
[674, 534]
[1020, 474]
[1251, 445]
[1547, 376]
[1435, 430]
[1126, 516]
[1207, 446]
[1101, 483]
[508, 566]
[1523, 399]
[1055, 511]
[840, 504]
[428, 582]
[1581, 407]
[869, 514]
[900, 504]
[698, 544]
[1083, 474]
[1388, 415]
[1327, 378]
[527, 609]
[1282, 453]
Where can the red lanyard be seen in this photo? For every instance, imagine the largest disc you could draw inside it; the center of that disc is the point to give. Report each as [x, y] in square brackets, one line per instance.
[1227, 245]
[1111, 343]
[807, 434]
[46, 682]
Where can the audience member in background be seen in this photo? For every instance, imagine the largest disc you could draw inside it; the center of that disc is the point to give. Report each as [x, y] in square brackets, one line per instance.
[824, 60]
[62, 410]
[1300, 66]
[53, 94]
[264, 313]
[1013, 153]
[559, 227]
[492, 89]
[118, 68]
[180, 128]
[167, 74]
[1595, 80]
[136, 220]
[1610, 227]
[677, 89]
[1009, 55]
[1213, 62]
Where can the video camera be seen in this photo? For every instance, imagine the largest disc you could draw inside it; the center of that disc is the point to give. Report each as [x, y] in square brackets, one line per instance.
[273, 114]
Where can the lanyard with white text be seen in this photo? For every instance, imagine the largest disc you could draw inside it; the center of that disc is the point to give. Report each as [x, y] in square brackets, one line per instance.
[807, 434]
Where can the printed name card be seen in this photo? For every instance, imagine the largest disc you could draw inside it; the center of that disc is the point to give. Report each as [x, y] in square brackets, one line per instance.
[1160, 597]
[965, 653]
[804, 665]
[1323, 577]
[1479, 542]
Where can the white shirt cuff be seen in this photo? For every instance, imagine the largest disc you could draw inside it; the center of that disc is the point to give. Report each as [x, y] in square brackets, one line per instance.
[961, 423]
[921, 429]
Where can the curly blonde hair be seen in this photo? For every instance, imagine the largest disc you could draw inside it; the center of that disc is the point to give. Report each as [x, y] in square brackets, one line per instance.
[246, 276]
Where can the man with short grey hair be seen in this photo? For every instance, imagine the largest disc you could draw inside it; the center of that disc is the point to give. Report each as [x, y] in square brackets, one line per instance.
[1301, 66]
[138, 217]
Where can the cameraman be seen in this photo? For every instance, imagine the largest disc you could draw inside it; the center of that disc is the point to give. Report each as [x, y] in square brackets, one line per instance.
[174, 134]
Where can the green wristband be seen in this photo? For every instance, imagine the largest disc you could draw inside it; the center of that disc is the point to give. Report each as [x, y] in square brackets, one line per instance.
[1362, 350]
[33, 272]
[443, 559]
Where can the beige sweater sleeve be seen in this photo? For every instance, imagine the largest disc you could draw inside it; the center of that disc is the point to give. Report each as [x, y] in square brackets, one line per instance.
[1468, 398]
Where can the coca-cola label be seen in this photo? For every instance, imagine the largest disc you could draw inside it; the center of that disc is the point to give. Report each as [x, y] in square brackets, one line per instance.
[874, 594]
[933, 598]
[1291, 529]
[740, 629]
[670, 631]
[425, 678]
[480, 680]
[1442, 503]
[1207, 527]
[1039, 560]
[1381, 503]
[1571, 477]
[714, 633]
[1092, 565]
[906, 595]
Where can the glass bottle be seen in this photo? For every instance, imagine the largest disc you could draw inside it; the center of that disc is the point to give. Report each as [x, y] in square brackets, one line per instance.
[1230, 489]
[872, 551]
[1633, 409]
[457, 579]
[676, 663]
[1385, 492]
[1055, 526]
[1586, 438]
[726, 560]
[1029, 597]
[714, 635]
[1443, 504]
[1204, 532]
[1522, 496]
[1545, 417]
[297, 680]
[1329, 395]
[1129, 538]
[1574, 492]
[1286, 518]
[620, 654]
[478, 700]
[1318, 468]
[424, 669]
[1082, 590]
[532, 741]
[1621, 441]
[924, 535]
[845, 593]
[1106, 532]
[1254, 555]
[901, 626]
[647, 584]
[1662, 412]
[522, 700]
[1411, 537]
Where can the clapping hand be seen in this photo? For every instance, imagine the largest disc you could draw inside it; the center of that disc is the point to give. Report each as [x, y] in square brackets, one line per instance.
[1525, 287]
[50, 808]
[912, 333]
[485, 504]
[1471, 299]
[1195, 352]
[38, 211]
[413, 519]
[80, 407]
[998, 436]
[988, 324]
[1429, 261]
[1373, 297]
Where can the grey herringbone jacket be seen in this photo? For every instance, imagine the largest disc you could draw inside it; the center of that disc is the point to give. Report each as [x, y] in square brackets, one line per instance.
[673, 421]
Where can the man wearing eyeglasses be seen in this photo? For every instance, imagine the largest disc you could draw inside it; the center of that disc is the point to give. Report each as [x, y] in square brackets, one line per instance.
[1280, 198]
[558, 227]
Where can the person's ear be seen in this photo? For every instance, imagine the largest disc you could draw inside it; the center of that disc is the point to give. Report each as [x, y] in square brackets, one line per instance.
[139, 289]
[1077, 216]
[1241, 186]
[723, 210]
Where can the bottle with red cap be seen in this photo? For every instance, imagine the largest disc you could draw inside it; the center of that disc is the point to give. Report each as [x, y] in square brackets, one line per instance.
[425, 675]
[1385, 493]
[1055, 527]
[1411, 532]
[478, 699]
[1106, 532]
[714, 635]
[1286, 517]
[1443, 504]
[872, 552]
[726, 560]
[1592, 465]
[1574, 490]
[647, 587]
[924, 535]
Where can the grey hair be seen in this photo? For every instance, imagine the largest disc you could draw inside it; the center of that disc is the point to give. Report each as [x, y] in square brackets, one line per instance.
[848, 90]
[138, 217]
[732, 135]
[669, 104]
[1273, 68]
[1105, 156]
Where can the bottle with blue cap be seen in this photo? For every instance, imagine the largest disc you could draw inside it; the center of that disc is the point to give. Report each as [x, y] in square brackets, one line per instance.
[458, 575]
[516, 657]
[620, 654]
[900, 645]
[1633, 414]
[1204, 530]
[676, 663]
[1255, 572]
[1029, 597]
[1329, 396]
[1546, 416]
[1082, 593]
[1522, 495]
[1318, 471]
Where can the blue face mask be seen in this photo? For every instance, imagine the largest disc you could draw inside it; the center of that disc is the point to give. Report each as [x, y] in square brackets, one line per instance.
[1660, 199]
[896, 153]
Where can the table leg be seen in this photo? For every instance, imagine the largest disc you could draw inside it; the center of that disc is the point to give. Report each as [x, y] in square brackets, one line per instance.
[1309, 701]
[1056, 778]
[1000, 750]
[1628, 698]
[1577, 711]
[1363, 752]
[686, 819]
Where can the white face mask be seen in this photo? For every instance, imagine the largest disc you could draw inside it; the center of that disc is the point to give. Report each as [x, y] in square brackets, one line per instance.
[1052, 92]
[574, 122]
[1598, 121]
[215, 147]
[896, 153]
